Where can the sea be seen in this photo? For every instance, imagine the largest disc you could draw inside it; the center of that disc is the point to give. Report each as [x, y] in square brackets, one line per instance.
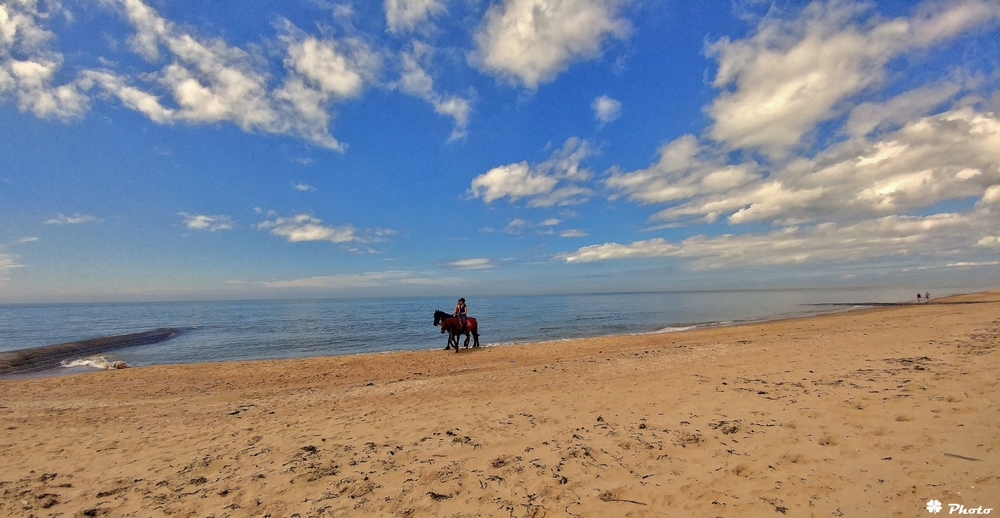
[262, 329]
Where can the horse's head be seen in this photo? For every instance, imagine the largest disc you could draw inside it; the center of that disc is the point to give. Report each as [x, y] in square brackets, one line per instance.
[439, 317]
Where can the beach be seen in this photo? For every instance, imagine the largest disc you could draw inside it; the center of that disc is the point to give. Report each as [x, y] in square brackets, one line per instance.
[874, 412]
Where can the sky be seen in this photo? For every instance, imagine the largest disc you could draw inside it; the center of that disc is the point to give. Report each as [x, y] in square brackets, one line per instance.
[180, 150]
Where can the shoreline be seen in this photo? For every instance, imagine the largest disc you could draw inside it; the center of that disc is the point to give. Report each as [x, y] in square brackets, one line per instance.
[869, 412]
[24, 363]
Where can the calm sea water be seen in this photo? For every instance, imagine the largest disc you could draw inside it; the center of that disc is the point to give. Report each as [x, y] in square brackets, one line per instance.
[248, 330]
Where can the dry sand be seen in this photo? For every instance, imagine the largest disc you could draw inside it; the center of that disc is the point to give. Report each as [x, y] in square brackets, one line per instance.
[866, 413]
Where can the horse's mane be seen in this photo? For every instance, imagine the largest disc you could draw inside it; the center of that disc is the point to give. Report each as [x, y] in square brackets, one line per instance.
[441, 316]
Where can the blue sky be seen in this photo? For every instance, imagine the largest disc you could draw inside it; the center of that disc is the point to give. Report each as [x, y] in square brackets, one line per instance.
[176, 150]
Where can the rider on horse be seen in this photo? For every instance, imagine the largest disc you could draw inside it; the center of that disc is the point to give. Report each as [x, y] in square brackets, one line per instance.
[462, 312]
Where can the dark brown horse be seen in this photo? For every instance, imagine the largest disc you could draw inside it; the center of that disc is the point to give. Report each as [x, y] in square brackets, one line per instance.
[453, 326]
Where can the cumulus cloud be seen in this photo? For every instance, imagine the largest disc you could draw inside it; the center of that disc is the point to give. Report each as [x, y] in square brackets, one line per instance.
[947, 156]
[205, 80]
[415, 80]
[606, 109]
[209, 80]
[888, 237]
[867, 117]
[75, 219]
[405, 15]
[304, 227]
[805, 138]
[321, 72]
[206, 222]
[532, 41]
[29, 65]
[896, 155]
[684, 170]
[553, 182]
[792, 74]
[202, 79]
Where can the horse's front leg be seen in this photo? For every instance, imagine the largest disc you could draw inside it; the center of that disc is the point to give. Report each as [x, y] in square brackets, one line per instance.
[466, 341]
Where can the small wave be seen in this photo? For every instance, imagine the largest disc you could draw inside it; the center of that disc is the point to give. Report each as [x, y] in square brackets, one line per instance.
[95, 362]
[672, 329]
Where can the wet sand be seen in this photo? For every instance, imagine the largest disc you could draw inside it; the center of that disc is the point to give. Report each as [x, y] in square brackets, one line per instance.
[866, 413]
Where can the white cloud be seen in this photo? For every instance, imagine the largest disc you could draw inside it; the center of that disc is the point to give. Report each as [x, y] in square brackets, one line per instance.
[321, 73]
[606, 109]
[415, 80]
[684, 170]
[573, 232]
[948, 156]
[516, 226]
[199, 79]
[479, 263]
[534, 40]
[303, 187]
[405, 15]
[990, 197]
[792, 74]
[539, 183]
[304, 227]
[355, 280]
[870, 116]
[900, 237]
[964, 264]
[8, 262]
[130, 96]
[30, 239]
[514, 181]
[28, 66]
[209, 81]
[75, 219]
[206, 222]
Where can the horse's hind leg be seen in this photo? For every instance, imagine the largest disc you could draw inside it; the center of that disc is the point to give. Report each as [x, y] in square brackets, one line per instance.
[466, 340]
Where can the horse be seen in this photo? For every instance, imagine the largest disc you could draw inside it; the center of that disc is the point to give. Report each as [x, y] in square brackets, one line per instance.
[453, 326]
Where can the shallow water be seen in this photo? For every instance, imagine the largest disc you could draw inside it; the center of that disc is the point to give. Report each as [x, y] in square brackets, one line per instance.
[249, 330]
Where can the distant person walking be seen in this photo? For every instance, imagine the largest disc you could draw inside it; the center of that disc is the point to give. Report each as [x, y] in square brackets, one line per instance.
[918, 297]
[462, 312]
[927, 296]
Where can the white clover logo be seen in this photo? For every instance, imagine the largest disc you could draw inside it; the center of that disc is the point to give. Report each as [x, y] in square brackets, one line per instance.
[934, 507]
